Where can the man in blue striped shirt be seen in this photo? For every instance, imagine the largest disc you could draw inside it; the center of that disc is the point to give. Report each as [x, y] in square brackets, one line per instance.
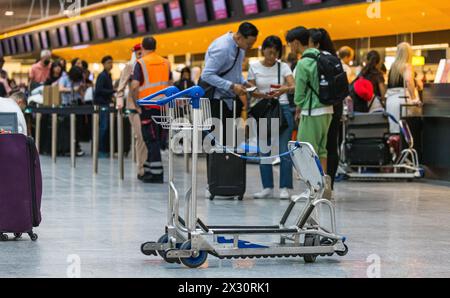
[223, 69]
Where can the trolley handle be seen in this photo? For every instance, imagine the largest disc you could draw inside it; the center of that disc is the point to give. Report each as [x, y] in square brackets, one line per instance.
[194, 92]
[148, 101]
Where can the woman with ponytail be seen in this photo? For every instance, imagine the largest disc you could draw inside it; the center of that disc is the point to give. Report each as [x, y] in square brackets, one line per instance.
[372, 72]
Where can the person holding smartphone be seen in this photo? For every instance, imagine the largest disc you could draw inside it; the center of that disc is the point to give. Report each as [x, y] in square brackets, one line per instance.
[274, 80]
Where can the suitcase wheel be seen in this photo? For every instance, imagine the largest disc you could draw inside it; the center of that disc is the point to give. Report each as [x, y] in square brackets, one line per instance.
[3, 237]
[33, 236]
[240, 198]
[211, 198]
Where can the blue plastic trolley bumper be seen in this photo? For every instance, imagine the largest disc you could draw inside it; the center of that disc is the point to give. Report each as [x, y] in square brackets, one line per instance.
[171, 94]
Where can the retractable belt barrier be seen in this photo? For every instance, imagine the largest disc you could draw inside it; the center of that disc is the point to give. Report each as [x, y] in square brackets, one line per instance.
[73, 111]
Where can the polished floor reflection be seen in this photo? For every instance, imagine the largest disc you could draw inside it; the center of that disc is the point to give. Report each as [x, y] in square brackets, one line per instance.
[102, 221]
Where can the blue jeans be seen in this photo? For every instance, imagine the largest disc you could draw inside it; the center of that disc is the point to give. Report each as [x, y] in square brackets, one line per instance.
[103, 131]
[286, 162]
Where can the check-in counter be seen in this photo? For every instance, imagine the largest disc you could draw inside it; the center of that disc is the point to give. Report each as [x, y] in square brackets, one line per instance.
[431, 130]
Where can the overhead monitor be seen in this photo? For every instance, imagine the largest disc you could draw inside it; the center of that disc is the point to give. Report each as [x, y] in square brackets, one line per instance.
[250, 7]
[85, 32]
[273, 5]
[160, 16]
[63, 36]
[200, 11]
[75, 33]
[219, 9]
[127, 24]
[111, 27]
[99, 30]
[28, 43]
[176, 15]
[141, 23]
[44, 40]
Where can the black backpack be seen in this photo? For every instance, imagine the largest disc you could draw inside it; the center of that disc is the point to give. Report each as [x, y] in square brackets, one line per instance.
[333, 82]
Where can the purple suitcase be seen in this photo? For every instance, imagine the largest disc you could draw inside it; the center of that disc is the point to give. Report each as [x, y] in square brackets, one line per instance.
[20, 186]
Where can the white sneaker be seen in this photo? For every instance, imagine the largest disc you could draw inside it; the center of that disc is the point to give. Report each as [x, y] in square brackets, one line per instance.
[328, 192]
[284, 194]
[264, 194]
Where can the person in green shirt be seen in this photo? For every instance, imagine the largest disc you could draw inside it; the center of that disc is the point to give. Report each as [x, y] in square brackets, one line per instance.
[315, 118]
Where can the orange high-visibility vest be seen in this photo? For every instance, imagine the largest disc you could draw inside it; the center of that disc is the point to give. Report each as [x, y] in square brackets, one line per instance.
[155, 70]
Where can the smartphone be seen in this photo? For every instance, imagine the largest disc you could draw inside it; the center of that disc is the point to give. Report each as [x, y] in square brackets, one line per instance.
[252, 89]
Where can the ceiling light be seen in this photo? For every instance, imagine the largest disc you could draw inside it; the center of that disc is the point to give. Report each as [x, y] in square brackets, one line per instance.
[9, 13]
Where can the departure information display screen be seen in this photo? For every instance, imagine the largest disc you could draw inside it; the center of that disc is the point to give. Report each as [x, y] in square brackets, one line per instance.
[110, 27]
[307, 2]
[62, 32]
[28, 45]
[160, 16]
[200, 11]
[127, 26]
[273, 5]
[250, 7]
[85, 32]
[99, 29]
[220, 9]
[140, 21]
[175, 13]
[44, 40]
[75, 34]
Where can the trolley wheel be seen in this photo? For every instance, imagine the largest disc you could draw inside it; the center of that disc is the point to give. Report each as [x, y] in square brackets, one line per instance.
[211, 198]
[3, 237]
[193, 262]
[240, 198]
[148, 252]
[17, 235]
[165, 239]
[311, 240]
[33, 236]
[343, 253]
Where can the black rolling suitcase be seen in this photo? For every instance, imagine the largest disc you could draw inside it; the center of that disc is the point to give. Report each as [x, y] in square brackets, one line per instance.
[366, 140]
[226, 173]
[368, 152]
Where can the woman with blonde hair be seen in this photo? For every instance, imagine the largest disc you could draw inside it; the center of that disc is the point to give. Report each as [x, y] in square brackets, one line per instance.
[401, 85]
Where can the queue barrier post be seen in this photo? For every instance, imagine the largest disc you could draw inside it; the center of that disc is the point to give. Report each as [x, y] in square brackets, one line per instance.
[54, 135]
[95, 132]
[120, 148]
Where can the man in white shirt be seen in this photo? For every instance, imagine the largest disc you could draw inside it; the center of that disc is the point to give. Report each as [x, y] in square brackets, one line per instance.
[347, 54]
[15, 104]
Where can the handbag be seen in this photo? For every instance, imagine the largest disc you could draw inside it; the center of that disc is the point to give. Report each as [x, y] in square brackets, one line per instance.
[270, 108]
[211, 90]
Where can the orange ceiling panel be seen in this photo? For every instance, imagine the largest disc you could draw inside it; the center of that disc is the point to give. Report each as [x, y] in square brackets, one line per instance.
[344, 22]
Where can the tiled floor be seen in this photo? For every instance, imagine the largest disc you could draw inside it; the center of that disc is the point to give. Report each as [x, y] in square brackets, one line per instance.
[103, 221]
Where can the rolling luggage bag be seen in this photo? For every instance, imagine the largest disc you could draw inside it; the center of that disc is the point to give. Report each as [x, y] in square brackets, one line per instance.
[226, 172]
[20, 186]
[368, 152]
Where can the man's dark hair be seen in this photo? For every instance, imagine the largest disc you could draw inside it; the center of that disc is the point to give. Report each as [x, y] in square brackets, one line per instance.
[85, 64]
[149, 43]
[273, 42]
[106, 59]
[247, 29]
[299, 33]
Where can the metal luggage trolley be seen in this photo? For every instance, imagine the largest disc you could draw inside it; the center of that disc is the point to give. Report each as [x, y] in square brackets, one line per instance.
[190, 241]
